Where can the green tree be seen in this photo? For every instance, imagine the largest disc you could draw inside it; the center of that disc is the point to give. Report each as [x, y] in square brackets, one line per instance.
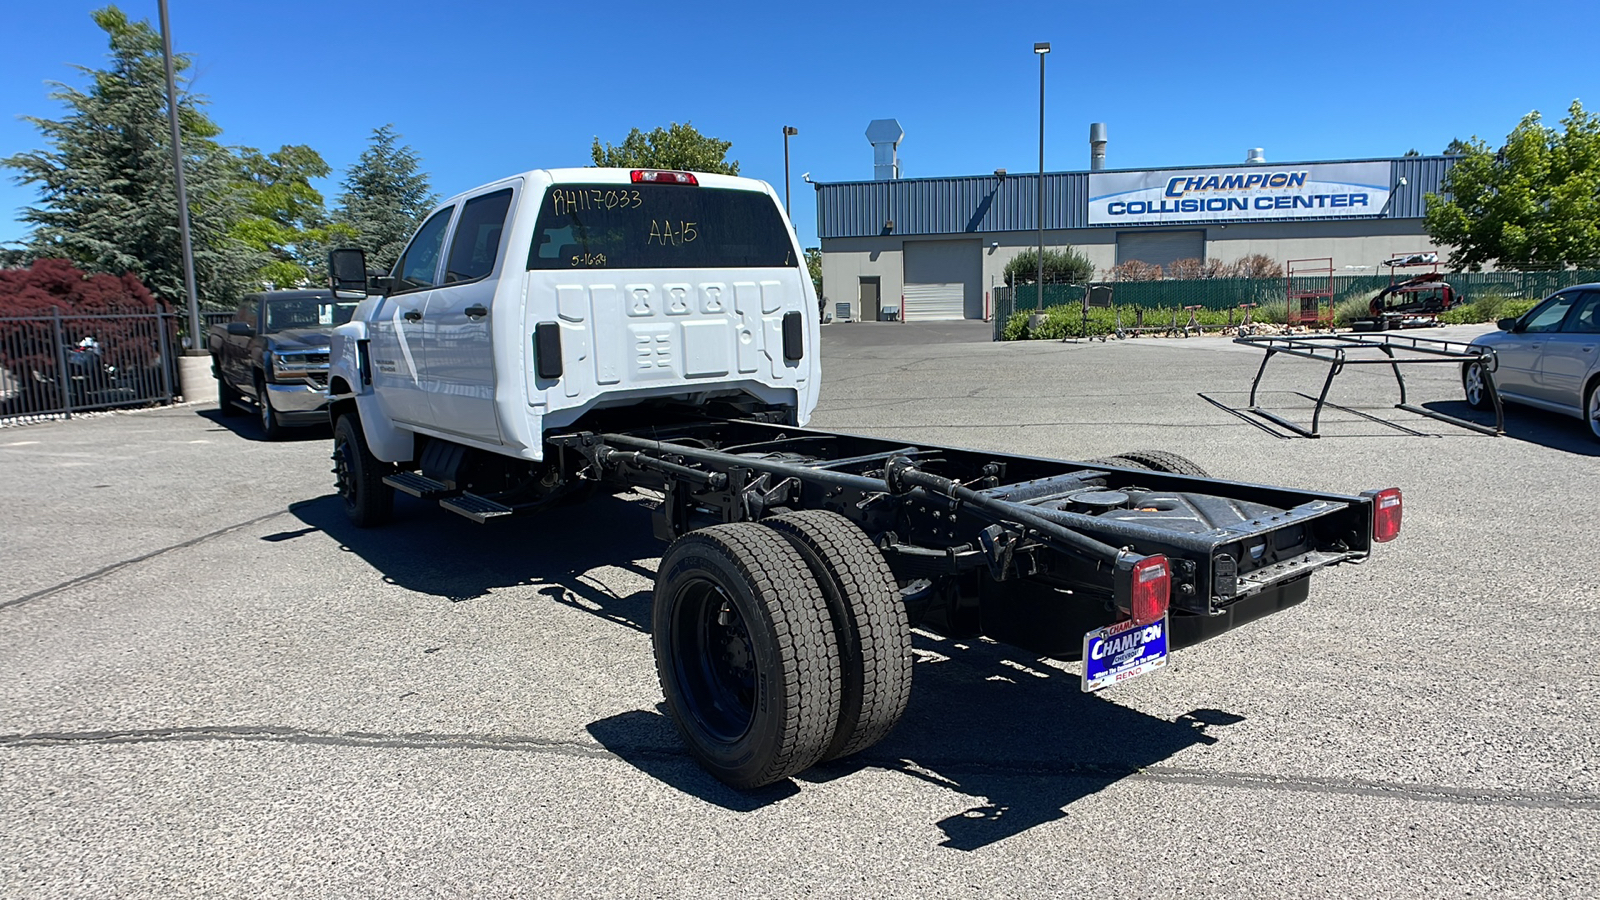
[285, 220]
[386, 194]
[1064, 266]
[1535, 202]
[106, 185]
[814, 266]
[679, 147]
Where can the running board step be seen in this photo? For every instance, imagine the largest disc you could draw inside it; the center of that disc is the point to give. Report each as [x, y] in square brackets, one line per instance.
[418, 485]
[478, 509]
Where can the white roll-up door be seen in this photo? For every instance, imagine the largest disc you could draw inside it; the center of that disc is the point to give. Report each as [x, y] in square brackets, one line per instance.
[943, 280]
[932, 302]
[1160, 248]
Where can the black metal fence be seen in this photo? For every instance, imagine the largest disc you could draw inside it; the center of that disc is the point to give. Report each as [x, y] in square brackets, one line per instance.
[54, 366]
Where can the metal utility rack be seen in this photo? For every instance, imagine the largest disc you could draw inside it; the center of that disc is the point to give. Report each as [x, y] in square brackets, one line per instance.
[1309, 284]
[1340, 350]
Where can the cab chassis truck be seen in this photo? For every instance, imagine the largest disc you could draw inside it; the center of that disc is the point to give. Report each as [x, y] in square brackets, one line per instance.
[613, 354]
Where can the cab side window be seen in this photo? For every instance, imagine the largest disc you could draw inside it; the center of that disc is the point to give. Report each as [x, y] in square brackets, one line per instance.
[477, 238]
[1548, 317]
[418, 265]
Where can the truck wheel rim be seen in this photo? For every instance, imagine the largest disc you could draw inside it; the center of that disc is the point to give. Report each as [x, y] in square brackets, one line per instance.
[343, 483]
[715, 662]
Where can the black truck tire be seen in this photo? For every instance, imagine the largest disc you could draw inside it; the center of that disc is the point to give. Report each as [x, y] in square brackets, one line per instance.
[869, 623]
[746, 655]
[358, 476]
[1161, 461]
[227, 398]
[271, 428]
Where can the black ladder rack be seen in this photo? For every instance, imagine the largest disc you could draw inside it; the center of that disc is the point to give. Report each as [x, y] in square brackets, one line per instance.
[1392, 350]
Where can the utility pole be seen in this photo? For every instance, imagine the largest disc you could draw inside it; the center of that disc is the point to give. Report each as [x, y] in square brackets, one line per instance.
[195, 335]
[788, 131]
[1041, 49]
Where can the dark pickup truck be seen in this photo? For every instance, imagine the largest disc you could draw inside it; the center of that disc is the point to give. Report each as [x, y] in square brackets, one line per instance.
[272, 359]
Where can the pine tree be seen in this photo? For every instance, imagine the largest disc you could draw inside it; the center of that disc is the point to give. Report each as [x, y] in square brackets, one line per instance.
[106, 186]
[385, 197]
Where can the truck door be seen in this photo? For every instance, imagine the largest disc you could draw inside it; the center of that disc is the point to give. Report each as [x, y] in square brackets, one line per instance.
[457, 353]
[235, 363]
[1570, 353]
[397, 329]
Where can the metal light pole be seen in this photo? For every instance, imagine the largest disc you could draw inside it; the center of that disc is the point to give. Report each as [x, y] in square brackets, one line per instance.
[1041, 49]
[195, 349]
[787, 131]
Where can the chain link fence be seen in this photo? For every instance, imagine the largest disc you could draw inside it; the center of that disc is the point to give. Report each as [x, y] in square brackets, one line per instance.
[1229, 293]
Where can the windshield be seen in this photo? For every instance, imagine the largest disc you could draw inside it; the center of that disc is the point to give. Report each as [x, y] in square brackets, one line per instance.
[658, 226]
[306, 312]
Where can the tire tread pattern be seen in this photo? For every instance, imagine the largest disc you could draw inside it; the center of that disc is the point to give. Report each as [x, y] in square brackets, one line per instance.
[1163, 461]
[869, 621]
[808, 660]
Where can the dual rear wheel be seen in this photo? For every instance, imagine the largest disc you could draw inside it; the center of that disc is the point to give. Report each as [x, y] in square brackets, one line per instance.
[779, 645]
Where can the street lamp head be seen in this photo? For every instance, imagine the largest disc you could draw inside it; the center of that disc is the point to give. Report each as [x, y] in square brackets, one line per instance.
[790, 129]
[1042, 48]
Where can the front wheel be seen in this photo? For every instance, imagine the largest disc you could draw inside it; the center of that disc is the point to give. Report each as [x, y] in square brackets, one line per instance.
[746, 655]
[358, 476]
[1475, 386]
[271, 428]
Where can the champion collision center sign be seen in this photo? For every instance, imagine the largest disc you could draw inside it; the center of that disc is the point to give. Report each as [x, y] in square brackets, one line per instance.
[1310, 191]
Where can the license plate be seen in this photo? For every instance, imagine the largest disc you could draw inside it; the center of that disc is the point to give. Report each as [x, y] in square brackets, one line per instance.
[1116, 653]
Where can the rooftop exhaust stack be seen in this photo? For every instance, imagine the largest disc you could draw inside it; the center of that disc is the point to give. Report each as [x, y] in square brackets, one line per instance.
[1097, 146]
[1255, 156]
[885, 135]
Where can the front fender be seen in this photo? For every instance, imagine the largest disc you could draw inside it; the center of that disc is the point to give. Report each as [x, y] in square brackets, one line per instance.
[349, 386]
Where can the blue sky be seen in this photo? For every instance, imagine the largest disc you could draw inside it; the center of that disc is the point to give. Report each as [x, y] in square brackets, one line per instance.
[484, 88]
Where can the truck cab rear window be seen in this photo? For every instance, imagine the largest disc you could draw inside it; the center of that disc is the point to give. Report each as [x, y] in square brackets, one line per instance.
[652, 226]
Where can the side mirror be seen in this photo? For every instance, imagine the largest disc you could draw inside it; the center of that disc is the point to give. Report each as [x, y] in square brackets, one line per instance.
[347, 271]
[241, 329]
[1506, 324]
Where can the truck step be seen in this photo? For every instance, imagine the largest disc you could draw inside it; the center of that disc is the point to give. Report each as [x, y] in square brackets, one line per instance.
[419, 485]
[478, 509]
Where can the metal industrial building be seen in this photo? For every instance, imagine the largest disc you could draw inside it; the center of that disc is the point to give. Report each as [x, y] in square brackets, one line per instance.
[934, 248]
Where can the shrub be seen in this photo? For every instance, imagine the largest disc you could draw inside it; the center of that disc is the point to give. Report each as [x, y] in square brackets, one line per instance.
[1064, 266]
[51, 285]
[1016, 327]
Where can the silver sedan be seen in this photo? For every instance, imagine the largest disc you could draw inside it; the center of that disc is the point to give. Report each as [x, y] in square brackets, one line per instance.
[1548, 357]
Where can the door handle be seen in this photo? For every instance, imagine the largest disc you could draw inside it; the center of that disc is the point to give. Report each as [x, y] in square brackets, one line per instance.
[413, 315]
[476, 311]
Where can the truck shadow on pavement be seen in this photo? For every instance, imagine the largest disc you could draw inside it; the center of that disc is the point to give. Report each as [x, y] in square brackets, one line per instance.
[1015, 736]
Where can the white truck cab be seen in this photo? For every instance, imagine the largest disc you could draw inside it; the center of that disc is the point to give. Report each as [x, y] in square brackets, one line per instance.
[521, 305]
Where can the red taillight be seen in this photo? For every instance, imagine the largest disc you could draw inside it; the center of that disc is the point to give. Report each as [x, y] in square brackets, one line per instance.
[659, 176]
[1152, 589]
[1386, 508]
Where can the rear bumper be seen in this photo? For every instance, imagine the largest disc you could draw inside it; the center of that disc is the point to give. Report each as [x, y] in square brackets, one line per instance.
[1188, 630]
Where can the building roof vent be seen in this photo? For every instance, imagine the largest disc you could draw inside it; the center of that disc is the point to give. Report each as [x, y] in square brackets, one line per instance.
[1255, 156]
[1097, 146]
[885, 135]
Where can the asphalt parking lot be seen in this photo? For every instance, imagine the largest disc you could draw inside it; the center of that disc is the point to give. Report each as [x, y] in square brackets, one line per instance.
[210, 685]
